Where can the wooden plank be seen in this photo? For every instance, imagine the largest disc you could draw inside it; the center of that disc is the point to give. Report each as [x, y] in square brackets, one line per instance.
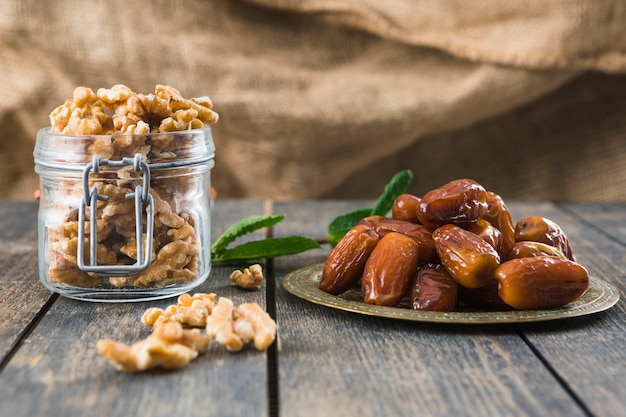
[339, 363]
[58, 372]
[588, 352]
[22, 294]
[610, 219]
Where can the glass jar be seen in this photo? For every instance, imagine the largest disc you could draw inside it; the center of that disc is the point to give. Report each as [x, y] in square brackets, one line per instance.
[100, 192]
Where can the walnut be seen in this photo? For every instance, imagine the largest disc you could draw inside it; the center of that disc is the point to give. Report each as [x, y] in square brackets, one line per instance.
[120, 120]
[263, 326]
[234, 327]
[80, 115]
[178, 102]
[71, 275]
[190, 310]
[168, 267]
[181, 120]
[250, 279]
[221, 325]
[115, 96]
[89, 113]
[150, 108]
[169, 346]
[163, 212]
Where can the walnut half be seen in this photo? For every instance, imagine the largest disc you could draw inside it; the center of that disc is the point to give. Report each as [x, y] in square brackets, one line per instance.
[169, 346]
[250, 279]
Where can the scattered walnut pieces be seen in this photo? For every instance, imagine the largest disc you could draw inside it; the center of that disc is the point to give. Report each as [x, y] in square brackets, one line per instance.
[250, 279]
[171, 345]
[190, 310]
[263, 326]
[220, 326]
[233, 326]
[119, 110]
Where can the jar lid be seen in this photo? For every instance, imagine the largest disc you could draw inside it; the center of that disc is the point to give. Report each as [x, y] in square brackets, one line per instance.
[158, 150]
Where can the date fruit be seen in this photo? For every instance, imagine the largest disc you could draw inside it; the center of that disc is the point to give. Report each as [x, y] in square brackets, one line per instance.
[421, 234]
[540, 229]
[528, 248]
[500, 217]
[459, 202]
[405, 207]
[390, 269]
[489, 233]
[346, 262]
[540, 282]
[434, 289]
[468, 258]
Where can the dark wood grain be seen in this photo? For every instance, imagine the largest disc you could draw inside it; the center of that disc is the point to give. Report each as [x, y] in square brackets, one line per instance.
[23, 297]
[588, 353]
[57, 371]
[328, 362]
[339, 363]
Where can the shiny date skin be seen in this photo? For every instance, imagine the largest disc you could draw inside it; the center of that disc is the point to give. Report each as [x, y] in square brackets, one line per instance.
[528, 248]
[345, 263]
[390, 269]
[405, 207]
[540, 229]
[421, 234]
[489, 233]
[434, 289]
[459, 202]
[540, 282]
[468, 258]
[500, 217]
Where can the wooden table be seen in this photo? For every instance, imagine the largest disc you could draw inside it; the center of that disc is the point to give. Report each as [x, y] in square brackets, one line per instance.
[328, 362]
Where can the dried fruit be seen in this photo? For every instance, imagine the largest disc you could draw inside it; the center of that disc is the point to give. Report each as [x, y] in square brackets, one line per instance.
[468, 258]
[527, 248]
[421, 234]
[540, 282]
[346, 262]
[405, 207]
[499, 216]
[459, 202]
[390, 269]
[489, 233]
[434, 289]
[540, 229]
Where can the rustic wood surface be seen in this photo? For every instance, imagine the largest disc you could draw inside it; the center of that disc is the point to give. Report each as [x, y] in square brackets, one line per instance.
[327, 362]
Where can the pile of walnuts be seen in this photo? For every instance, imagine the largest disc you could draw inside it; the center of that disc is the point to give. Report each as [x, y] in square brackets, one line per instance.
[120, 110]
[123, 123]
[177, 339]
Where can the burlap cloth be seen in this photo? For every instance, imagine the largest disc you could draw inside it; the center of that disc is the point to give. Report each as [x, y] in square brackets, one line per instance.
[329, 98]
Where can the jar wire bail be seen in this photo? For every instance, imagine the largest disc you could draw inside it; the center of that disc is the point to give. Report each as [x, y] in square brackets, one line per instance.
[90, 199]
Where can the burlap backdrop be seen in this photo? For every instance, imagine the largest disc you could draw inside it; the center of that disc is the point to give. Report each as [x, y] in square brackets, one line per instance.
[329, 98]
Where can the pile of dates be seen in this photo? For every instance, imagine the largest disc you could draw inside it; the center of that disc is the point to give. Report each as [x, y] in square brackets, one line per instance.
[456, 248]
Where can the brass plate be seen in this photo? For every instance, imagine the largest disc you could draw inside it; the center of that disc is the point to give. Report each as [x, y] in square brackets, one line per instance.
[304, 283]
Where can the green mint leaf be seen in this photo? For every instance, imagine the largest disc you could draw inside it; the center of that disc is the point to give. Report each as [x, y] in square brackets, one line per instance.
[398, 185]
[267, 248]
[341, 224]
[242, 227]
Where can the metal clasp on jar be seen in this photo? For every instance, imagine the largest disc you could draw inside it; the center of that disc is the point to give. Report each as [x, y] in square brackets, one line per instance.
[90, 198]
